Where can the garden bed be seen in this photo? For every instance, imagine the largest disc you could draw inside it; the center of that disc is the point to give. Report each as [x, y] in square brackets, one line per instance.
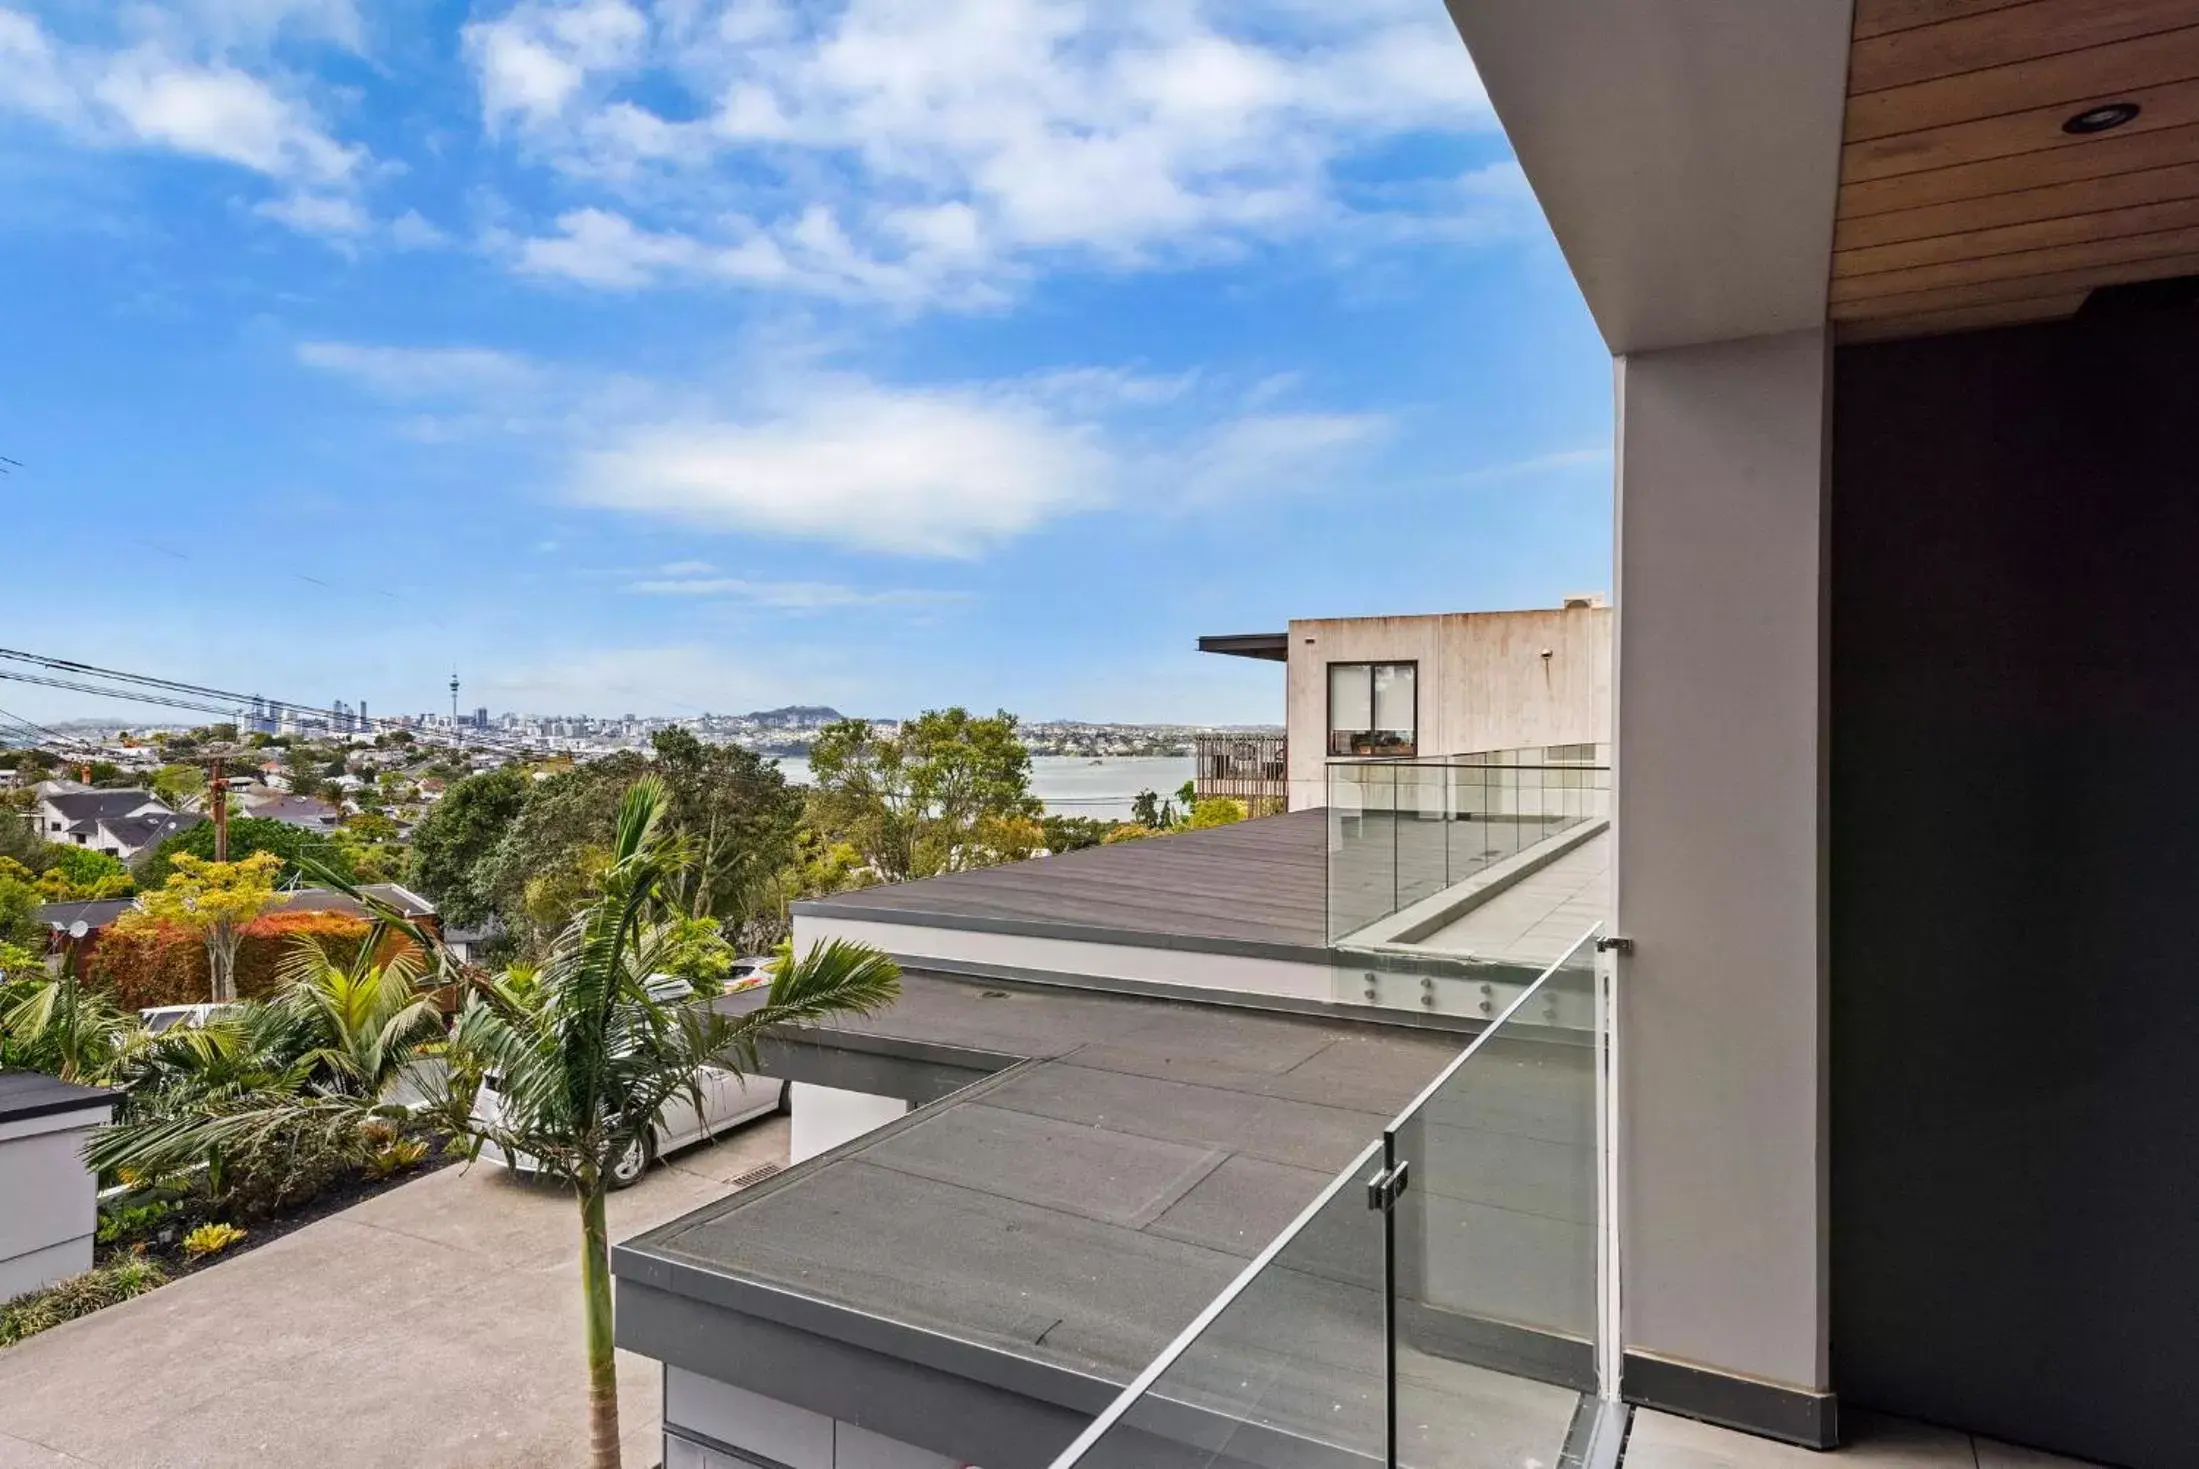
[119, 1265]
[164, 1242]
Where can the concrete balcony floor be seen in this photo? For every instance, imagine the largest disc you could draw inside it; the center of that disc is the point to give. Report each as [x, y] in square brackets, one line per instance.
[1662, 1441]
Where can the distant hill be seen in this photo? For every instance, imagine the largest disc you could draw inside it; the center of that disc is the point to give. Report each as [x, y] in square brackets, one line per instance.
[795, 716]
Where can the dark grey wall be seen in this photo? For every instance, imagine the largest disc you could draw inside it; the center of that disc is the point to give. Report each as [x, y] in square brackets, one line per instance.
[2015, 883]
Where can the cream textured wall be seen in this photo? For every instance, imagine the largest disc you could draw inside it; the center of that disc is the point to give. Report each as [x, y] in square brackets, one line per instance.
[1484, 684]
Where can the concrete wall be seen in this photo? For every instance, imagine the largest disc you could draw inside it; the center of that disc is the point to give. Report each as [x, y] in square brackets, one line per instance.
[49, 1201]
[1483, 682]
[827, 1116]
[1719, 871]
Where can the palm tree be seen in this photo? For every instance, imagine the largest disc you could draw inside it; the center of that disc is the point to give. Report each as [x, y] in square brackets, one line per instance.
[362, 1023]
[590, 1047]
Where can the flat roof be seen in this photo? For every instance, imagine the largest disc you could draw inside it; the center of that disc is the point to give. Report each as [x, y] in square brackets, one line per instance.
[1253, 886]
[984, 1274]
[1075, 1209]
[1274, 647]
[27, 1094]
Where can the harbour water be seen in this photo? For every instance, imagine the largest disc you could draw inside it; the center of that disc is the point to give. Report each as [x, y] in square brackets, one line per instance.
[1075, 785]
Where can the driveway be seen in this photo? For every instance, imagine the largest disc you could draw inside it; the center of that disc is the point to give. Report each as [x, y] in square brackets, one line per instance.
[436, 1324]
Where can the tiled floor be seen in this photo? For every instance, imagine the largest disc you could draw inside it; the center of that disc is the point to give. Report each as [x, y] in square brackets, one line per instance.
[1661, 1441]
[1539, 917]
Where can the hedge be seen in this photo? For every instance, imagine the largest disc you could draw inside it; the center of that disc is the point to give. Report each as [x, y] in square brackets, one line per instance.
[167, 965]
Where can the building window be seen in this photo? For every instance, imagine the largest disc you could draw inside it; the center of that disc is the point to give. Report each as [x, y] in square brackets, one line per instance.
[1374, 709]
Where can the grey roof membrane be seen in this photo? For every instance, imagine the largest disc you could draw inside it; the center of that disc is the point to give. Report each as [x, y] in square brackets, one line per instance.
[1259, 882]
[1079, 1209]
[26, 1094]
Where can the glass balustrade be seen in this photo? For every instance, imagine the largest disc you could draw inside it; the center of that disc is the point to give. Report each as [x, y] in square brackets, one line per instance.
[1444, 1302]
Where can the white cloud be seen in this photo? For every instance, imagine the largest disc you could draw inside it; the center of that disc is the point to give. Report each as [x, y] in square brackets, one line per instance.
[1539, 464]
[927, 152]
[423, 372]
[787, 450]
[317, 214]
[178, 90]
[793, 596]
[1265, 452]
[536, 57]
[915, 471]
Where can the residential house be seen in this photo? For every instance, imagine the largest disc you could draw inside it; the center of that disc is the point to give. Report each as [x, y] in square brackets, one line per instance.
[1441, 684]
[73, 817]
[130, 837]
[1873, 1092]
[300, 811]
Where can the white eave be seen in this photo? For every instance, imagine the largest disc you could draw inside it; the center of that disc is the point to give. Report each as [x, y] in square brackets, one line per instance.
[1685, 152]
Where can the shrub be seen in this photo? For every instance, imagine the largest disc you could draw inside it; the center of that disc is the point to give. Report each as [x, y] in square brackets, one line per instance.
[396, 1156]
[165, 964]
[128, 1223]
[79, 1295]
[287, 1167]
[1131, 831]
[1216, 811]
[210, 1239]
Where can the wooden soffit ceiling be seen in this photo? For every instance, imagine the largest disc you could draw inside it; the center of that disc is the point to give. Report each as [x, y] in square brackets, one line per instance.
[1963, 201]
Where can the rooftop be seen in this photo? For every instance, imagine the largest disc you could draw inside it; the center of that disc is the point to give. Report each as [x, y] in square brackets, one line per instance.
[28, 1094]
[1071, 1211]
[1255, 884]
[1104, 1165]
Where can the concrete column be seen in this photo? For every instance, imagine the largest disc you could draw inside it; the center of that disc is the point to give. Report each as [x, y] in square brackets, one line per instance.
[1720, 877]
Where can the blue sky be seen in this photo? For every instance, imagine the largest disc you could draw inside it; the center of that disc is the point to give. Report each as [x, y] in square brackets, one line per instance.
[723, 353]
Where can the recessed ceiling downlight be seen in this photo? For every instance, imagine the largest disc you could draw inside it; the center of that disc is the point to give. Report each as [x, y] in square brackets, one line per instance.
[2101, 118]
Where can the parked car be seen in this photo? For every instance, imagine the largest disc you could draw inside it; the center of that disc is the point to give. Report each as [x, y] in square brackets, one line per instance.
[729, 1100]
[158, 1018]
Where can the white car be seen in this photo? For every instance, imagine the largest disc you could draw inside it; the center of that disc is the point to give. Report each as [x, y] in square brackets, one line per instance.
[728, 1101]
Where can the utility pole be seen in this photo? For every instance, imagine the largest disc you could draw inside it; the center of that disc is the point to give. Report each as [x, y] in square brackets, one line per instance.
[216, 758]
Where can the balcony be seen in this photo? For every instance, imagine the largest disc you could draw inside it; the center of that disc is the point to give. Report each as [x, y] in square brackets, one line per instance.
[1446, 1298]
[1461, 852]
[1253, 768]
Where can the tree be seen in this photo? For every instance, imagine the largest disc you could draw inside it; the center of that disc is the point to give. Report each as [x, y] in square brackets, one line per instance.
[589, 1048]
[248, 836]
[214, 900]
[1074, 833]
[1215, 811]
[449, 843]
[735, 810]
[740, 816]
[20, 901]
[912, 801]
[178, 784]
[75, 873]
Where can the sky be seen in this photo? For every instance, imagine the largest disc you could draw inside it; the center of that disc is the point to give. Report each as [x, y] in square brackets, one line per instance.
[719, 354]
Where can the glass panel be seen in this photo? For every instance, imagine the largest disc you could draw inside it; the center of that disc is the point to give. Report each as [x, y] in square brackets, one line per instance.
[1497, 1235]
[1362, 846]
[1396, 714]
[1423, 860]
[1291, 1371]
[1351, 707]
[1401, 831]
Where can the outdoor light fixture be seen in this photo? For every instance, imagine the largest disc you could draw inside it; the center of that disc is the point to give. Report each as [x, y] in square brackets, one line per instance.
[2099, 119]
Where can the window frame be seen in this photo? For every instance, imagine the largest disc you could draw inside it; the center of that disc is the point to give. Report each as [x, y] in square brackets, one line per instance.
[1364, 734]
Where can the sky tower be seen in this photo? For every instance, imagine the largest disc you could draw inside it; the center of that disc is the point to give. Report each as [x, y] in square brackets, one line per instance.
[454, 698]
